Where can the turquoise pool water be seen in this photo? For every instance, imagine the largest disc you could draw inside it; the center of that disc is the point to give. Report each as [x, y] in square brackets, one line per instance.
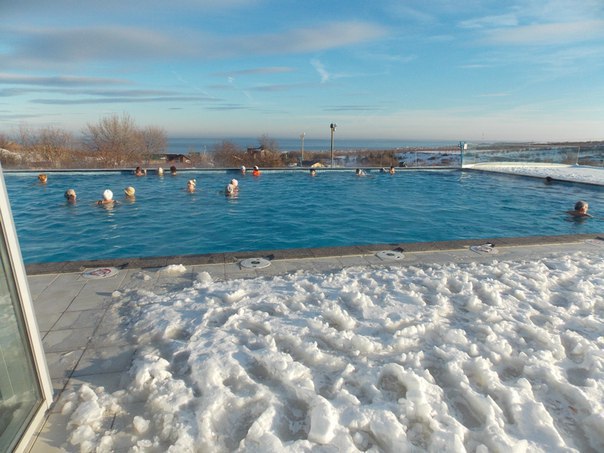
[283, 209]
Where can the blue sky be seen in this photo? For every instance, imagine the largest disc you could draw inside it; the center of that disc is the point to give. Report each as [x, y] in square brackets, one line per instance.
[416, 70]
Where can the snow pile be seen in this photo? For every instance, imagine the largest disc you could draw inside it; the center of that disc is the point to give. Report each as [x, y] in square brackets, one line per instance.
[506, 356]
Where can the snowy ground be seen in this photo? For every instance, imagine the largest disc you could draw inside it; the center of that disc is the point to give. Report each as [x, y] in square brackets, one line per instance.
[502, 357]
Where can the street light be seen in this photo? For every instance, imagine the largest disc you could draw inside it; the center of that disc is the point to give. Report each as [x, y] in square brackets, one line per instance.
[332, 126]
[302, 149]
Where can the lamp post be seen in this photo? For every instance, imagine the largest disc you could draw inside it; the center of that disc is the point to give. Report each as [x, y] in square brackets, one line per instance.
[302, 149]
[332, 126]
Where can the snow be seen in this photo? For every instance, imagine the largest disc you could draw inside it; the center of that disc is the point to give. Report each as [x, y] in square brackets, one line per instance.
[504, 356]
[573, 173]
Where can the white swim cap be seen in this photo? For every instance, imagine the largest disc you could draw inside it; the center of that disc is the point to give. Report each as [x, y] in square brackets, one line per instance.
[230, 188]
[108, 195]
[234, 182]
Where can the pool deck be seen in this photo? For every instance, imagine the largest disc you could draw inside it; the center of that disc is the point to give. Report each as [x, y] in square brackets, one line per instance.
[78, 317]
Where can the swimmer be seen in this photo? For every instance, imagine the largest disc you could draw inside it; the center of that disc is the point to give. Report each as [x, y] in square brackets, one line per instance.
[70, 196]
[42, 178]
[313, 172]
[107, 198]
[230, 191]
[173, 170]
[392, 170]
[160, 171]
[243, 169]
[139, 172]
[360, 172]
[130, 192]
[256, 171]
[191, 185]
[580, 210]
[235, 184]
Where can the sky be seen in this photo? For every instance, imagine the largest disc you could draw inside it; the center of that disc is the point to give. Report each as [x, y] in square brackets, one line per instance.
[520, 70]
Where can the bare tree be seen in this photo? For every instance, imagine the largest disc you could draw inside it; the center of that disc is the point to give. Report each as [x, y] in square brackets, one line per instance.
[267, 143]
[155, 140]
[228, 154]
[53, 145]
[115, 140]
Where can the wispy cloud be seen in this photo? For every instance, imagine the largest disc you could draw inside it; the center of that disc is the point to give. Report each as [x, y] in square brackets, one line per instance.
[121, 100]
[253, 71]
[279, 87]
[504, 20]
[20, 79]
[320, 68]
[558, 33]
[113, 44]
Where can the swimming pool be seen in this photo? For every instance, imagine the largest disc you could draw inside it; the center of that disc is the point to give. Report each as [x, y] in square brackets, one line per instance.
[283, 209]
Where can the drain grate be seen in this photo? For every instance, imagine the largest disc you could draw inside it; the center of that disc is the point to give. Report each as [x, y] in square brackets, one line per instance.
[255, 263]
[485, 249]
[597, 241]
[390, 255]
[100, 272]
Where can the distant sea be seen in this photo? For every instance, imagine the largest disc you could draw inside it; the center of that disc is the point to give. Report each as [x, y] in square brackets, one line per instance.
[184, 145]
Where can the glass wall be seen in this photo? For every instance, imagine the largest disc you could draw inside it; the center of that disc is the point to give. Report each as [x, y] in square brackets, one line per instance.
[589, 154]
[24, 384]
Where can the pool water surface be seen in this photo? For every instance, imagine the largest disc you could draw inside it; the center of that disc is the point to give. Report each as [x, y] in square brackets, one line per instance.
[283, 209]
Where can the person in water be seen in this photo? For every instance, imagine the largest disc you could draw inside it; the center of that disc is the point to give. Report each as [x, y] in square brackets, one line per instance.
[42, 178]
[580, 210]
[160, 171]
[392, 170]
[107, 198]
[360, 172]
[130, 192]
[173, 170]
[191, 185]
[70, 196]
[313, 172]
[243, 169]
[139, 172]
[256, 171]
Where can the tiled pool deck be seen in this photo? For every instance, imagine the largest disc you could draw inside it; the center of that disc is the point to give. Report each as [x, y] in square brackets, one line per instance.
[78, 317]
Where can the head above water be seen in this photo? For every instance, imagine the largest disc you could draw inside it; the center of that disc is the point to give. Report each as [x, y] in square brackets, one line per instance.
[70, 194]
[581, 206]
[107, 195]
[129, 191]
[42, 178]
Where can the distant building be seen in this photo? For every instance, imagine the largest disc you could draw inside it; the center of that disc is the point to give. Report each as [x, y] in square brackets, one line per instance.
[176, 158]
[256, 152]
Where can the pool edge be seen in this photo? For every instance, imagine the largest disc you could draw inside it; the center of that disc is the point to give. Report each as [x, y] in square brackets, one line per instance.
[298, 253]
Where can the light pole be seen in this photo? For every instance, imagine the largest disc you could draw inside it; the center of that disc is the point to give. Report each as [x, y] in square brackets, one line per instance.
[332, 126]
[302, 149]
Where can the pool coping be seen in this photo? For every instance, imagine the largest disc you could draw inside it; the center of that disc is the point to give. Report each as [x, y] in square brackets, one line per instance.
[299, 253]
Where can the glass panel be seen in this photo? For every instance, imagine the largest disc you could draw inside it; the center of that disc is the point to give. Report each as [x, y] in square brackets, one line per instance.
[20, 394]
